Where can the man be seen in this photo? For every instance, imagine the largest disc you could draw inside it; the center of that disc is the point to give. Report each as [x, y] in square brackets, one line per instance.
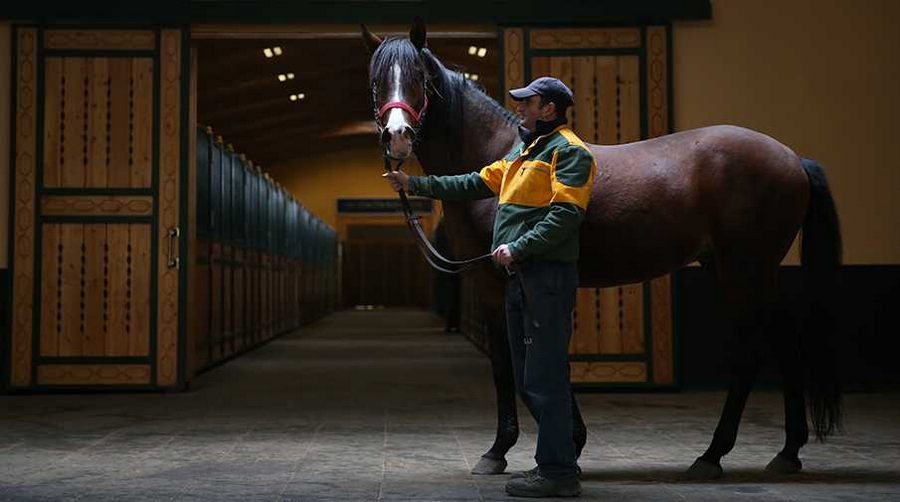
[544, 184]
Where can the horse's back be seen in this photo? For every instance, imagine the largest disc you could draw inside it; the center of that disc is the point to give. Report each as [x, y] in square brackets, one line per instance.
[657, 204]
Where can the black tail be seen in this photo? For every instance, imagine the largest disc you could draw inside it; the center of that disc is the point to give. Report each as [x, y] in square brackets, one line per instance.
[820, 253]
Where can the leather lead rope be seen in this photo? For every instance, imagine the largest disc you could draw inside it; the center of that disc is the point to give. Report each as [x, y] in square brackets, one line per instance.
[431, 255]
[442, 264]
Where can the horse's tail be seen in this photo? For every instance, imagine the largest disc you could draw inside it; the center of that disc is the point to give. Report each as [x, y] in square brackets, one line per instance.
[820, 253]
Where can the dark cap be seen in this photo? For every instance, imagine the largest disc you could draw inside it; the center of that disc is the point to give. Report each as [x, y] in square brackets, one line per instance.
[549, 88]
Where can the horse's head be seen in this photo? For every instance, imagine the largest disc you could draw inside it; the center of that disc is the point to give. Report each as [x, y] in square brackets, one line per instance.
[398, 77]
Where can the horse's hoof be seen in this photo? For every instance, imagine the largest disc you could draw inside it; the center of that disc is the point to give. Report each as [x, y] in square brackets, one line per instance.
[782, 464]
[487, 465]
[703, 470]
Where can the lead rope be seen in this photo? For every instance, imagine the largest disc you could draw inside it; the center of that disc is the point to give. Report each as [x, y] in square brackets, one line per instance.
[432, 255]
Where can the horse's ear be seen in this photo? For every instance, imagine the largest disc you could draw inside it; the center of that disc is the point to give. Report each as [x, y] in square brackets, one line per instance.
[432, 65]
[372, 42]
[417, 33]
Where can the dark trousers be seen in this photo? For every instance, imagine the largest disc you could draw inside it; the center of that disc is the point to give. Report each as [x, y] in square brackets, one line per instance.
[539, 329]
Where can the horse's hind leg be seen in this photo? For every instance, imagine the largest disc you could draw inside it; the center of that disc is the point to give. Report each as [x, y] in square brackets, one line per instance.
[785, 342]
[744, 369]
[746, 296]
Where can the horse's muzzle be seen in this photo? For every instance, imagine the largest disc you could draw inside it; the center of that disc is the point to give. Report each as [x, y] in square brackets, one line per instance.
[398, 142]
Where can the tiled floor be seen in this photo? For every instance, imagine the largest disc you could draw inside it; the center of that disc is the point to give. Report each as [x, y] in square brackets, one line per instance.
[384, 405]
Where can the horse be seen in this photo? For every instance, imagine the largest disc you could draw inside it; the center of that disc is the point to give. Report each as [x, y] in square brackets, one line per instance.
[729, 197]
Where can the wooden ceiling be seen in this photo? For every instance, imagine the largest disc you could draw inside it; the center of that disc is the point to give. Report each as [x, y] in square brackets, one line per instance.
[241, 98]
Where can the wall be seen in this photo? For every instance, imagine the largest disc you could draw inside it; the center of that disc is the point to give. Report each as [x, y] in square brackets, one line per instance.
[354, 172]
[822, 77]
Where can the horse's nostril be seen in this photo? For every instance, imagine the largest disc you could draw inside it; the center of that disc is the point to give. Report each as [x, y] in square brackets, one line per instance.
[385, 136]
[409, 133]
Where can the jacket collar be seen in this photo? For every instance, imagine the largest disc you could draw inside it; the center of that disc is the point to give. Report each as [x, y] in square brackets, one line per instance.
[556, 127]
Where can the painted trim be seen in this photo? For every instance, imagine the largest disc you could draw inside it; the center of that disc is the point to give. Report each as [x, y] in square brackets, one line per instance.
[89, 191]
[670, 76]
[93, 360]
[647, 304]
[6, 334]
[608, 358]
[154, 225]
[97, 53]
[642, 81]
[38, 220]
[181, 377]
[95, 219]
[585, 52]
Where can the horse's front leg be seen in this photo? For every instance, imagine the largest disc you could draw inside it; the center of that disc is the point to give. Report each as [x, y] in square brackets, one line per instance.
[494, 460]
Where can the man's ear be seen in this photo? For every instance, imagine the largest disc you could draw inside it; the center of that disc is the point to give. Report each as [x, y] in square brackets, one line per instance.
[550, 109]
[417, 33]
[372, 42]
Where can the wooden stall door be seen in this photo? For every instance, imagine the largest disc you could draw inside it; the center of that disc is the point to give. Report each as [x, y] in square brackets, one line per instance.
[622, 335]
[98, 149]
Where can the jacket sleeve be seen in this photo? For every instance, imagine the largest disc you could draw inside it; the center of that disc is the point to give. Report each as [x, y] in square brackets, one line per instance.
[480, 185]
[572, 177]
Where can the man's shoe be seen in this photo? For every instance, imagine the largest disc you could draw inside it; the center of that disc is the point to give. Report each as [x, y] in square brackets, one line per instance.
[539, 486]
[530, 473]
[534, 471]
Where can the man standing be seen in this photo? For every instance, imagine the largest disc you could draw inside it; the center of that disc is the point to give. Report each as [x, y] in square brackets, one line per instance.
[544, 185]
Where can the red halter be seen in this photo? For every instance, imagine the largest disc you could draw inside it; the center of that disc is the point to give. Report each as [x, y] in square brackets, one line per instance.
[416, 115]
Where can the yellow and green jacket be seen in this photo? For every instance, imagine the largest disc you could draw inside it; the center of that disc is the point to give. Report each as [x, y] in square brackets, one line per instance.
[544, 190]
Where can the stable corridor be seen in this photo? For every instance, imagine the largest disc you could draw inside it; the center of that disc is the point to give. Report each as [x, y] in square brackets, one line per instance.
[383, 405]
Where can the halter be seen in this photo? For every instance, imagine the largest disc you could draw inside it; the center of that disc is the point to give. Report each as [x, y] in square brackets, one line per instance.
[417, 116]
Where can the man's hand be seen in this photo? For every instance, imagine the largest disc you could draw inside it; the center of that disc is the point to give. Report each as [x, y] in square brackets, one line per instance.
[398, 180]
[502, 256]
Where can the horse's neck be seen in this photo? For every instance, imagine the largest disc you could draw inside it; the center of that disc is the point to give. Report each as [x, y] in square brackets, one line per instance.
[483, 135]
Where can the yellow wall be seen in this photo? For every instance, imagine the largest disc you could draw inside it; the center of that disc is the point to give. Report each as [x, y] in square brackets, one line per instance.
[821, 76]
[319, 181]
[5, 57]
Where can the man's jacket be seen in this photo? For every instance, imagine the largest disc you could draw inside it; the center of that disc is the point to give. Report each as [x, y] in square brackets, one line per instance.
[544, 190]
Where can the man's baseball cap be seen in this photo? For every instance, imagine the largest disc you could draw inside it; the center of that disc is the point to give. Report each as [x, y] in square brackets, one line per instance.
[551, 89]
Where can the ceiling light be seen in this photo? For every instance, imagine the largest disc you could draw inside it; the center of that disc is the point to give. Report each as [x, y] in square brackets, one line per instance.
[281, 77]
[276, 50]
[472, 50]
[268, 52]
[293, 97]
[474, 76]
[466, 75]
[481, 52]
[301, 96]
[290, 76]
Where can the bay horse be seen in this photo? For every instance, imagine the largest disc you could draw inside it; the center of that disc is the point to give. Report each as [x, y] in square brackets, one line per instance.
[732, 198]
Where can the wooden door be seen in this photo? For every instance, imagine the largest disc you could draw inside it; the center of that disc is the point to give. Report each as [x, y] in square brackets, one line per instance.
[98, 144]
[620, 78]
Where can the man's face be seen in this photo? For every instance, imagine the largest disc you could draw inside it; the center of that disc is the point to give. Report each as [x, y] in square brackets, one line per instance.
[530, 111]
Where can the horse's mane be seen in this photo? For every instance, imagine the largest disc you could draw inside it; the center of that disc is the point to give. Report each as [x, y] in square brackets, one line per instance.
[453, 87]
